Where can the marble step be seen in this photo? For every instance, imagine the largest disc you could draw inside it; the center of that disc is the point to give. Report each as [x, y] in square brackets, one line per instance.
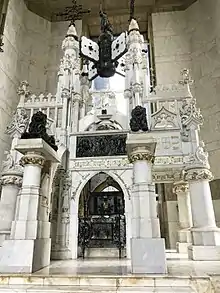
[93, 289]
[104, 284]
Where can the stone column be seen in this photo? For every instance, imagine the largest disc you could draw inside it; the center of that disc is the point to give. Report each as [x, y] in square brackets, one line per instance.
[154, 217]
[147, 252]
[205, 234]
[10, 183]
[25, 225]
[181, 189]
[28, 249]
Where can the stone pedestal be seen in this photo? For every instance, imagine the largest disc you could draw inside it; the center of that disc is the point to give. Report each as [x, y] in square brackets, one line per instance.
[205, 234]
[147, 252]
[181, 189]
[28, 249]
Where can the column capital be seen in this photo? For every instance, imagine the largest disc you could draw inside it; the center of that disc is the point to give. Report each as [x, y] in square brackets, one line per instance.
[32, 159]
[180, 187]
[11, 180]
[141, 155]
[198, 174]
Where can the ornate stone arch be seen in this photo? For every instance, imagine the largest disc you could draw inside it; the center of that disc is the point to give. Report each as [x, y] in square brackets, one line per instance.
[125, 191]
[113, 175]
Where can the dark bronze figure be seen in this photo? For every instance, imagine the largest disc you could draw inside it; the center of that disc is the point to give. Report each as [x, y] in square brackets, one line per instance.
[138, 119]
[37, 129]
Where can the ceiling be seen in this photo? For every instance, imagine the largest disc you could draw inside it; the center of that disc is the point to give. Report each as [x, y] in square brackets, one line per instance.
[117, 10]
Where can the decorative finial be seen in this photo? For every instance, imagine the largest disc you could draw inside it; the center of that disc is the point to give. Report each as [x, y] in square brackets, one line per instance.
[186, 78]
[132, 9]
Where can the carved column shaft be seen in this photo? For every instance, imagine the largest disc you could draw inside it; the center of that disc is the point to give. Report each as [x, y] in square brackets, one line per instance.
[143, 189]
[10, 187]
[200, 196]
[181, 189]
[28, 206]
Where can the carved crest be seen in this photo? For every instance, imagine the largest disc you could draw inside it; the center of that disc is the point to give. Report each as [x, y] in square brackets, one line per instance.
[19, 123]
[164, 119]
[189, 113]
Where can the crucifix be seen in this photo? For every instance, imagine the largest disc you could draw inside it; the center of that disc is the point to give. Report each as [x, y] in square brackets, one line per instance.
[73, 13]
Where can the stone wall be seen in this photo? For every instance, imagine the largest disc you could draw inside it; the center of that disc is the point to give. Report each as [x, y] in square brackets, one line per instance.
[190, 39]
[203, 19]
[25, 56]
[171, 45]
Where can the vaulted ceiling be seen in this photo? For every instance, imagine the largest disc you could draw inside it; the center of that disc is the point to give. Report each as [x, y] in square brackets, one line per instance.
[117, 10]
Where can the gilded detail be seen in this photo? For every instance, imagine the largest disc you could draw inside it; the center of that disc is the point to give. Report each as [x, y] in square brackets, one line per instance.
[11, 180]
[198, 174]
[32, 160]
[180, 187]
[146, 156]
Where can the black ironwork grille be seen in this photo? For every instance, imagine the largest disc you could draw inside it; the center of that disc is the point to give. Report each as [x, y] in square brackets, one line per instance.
[103, 224]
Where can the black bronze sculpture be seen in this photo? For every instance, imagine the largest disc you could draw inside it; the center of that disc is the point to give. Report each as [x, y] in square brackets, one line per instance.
[37, 129]
[138, 119]
[103, 56]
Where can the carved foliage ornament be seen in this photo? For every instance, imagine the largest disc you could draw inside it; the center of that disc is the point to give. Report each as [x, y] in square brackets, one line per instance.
[19, 123]
[147, 156]
[32, 160]
[180, 187]
[190, 113]
[11, 180]
[198, 174]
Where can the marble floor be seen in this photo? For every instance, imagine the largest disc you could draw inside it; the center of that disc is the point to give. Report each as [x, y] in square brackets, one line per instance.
[178, 265]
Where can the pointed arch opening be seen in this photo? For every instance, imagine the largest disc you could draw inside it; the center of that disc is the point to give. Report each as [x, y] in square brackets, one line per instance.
[101, 218]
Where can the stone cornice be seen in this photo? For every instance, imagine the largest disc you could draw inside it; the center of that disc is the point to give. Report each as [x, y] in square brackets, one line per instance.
[198, 174]
[32, 159]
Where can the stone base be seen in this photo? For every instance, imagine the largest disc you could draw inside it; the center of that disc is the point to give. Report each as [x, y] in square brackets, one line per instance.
[104, 253]
[148, 256]
[204, 252]
[24, 256]
[182, 247]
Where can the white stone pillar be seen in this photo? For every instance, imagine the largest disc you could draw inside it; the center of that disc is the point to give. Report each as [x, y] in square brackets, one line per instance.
[181, 189]
[10, 183]
[25, 225]
[154, 217]
[147, 252]
[205, 234]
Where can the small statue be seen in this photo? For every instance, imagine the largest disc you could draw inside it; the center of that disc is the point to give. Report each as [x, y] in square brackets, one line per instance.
[8, 163]
[105, 24]
[37, 129]
[138, 119]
